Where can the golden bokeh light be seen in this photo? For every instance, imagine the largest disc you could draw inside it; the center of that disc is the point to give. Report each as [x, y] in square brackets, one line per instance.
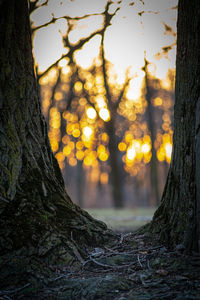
[102, 153]
[87, 133]
[60, 156]
[55, 118]
[67, 150]
[104, 138]
[79, 145]
[91, 113]
[157, 101]
[145, 148]
[122, 147]
[101, 102]
[131, 153]
[104, 114]
[76, 133]
[78, 86]
[168, 151]
[80, 154]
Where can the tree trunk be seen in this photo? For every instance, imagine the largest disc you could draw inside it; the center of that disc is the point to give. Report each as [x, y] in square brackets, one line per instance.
[152, 131]
[37, 217]
[116, 182]
[178, 218]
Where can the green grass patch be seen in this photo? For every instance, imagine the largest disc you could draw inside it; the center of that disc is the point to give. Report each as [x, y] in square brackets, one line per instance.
[123, 219]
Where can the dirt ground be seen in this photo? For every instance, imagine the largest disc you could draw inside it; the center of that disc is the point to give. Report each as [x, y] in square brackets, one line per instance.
[135, 267]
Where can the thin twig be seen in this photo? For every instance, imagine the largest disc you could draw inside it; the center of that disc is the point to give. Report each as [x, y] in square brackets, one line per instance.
[3, 199]
[14, 291]
[6, 297]
[57, 278]
[138, 258]
[148, 264]
[110, 266]
[142, 280]
[124, 236]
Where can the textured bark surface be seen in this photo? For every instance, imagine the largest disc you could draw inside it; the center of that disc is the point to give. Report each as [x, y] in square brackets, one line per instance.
[37, 217]
[177, 219]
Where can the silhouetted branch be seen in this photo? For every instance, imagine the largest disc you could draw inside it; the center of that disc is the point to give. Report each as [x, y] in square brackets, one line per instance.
[33, 5]
[121, 95]
[71, 52]
[66, 17]
[107, 20]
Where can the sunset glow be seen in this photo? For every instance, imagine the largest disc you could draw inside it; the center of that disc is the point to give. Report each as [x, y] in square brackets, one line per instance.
[137, 32]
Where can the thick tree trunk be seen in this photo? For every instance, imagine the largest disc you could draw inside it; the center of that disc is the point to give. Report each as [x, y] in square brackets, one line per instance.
[177, 219]
[37, 216]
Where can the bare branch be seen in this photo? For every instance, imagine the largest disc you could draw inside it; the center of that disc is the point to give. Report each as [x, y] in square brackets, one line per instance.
[122, 93]
[66, 17]
[33, 5]
[71, 52]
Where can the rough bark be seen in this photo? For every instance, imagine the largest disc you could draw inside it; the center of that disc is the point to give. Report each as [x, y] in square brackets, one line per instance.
[37, 217]
[177, 219]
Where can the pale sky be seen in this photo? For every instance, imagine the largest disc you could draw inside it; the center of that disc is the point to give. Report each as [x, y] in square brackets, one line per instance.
[126, 39]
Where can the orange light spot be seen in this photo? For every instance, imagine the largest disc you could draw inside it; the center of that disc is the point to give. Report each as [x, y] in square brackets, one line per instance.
[157, 101]
[104, 137]
[76, 133]
[65, 139]
[58, 96]
[72, 161]
[60, 157]
[80, 155]
[104, 178]
[67, 150]
[78, 86]
[128, 137]
[79, 145]
[122, 147]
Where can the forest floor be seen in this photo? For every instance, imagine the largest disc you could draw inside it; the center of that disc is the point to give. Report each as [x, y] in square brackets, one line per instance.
[135, 267]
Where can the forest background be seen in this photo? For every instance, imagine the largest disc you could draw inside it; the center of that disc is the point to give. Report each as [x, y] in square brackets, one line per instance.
[106, 72]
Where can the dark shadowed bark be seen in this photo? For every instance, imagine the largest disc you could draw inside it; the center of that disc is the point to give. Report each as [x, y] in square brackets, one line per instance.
[178, 218]
[37, 217]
